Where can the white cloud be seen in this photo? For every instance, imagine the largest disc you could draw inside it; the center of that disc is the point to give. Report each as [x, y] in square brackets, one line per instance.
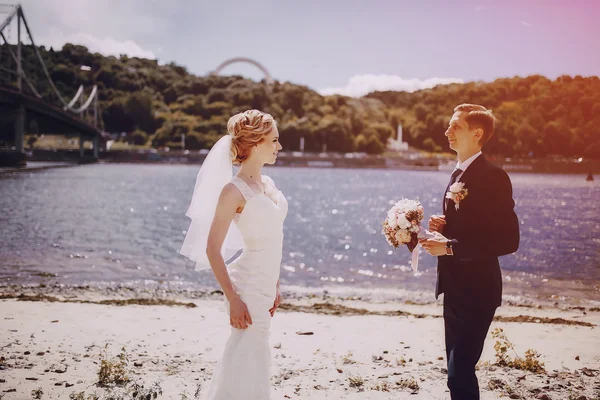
[360, 85]
[479, 8]
[108, 27]
[527, 24]
[107, 46]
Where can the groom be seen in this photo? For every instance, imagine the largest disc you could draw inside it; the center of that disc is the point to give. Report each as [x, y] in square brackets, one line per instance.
[478, 225]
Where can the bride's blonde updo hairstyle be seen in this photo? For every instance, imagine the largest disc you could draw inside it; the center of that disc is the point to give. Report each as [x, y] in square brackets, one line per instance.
[248, 129]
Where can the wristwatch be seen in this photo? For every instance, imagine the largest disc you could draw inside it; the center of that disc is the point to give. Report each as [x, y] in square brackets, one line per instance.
[449, 251]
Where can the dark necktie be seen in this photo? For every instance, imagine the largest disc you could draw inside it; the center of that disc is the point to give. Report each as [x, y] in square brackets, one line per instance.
[455, 175]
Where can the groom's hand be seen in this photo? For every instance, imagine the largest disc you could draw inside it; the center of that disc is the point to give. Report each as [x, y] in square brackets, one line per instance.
[437, 223]
[435, 246]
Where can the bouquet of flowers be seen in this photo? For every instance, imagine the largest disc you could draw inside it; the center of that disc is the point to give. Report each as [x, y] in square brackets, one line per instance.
[402, 226]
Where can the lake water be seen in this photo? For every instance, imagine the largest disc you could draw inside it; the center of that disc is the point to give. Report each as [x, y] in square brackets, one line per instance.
[123, 224]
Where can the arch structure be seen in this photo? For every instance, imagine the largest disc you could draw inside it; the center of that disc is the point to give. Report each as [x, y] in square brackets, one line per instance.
[269, 79]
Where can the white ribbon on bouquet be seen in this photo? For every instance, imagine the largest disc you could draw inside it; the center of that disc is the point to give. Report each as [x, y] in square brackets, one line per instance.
[423, 234]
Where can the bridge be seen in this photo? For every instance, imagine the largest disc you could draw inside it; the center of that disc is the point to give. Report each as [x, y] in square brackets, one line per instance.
[268, 78]
[21, 104]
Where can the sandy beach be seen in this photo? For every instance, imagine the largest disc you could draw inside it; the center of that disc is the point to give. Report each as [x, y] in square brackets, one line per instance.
[61, 344]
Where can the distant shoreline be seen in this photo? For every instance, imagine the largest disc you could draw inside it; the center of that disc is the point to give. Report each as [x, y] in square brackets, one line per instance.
[410, 161]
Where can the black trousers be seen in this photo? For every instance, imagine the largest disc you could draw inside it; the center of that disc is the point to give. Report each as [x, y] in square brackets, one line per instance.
[466, 328]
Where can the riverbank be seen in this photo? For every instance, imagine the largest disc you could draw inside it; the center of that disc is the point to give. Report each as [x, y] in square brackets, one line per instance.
[412, 160]
[37, 166]
[323, 347]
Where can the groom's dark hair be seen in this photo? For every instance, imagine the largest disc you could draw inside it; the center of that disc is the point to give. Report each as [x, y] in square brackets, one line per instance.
[479, 117]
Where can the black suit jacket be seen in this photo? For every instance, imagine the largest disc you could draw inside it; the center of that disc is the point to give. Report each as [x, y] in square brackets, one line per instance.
[483, 228]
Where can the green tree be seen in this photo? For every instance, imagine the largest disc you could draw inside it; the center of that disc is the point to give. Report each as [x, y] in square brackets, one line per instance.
[383, 131]
[534, 113]
[163, 134]
[193, 141]
[430, 145]
[139, 137]
[289, 135]
[420, 112]
[116, 118]
[374, 145]
[336, 134]
[216, 95]
[139, 108]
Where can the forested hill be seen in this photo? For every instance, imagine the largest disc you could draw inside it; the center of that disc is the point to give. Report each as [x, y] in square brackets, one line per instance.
[156, 104]
[535, 114]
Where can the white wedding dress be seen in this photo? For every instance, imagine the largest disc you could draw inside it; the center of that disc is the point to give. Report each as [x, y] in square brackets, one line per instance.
[243, 373]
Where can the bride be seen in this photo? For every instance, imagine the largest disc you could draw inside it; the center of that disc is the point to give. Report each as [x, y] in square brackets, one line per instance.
[230, 213]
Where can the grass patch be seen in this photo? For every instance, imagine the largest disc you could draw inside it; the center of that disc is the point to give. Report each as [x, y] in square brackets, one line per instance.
[410, 384]
[347, 359]
[356, 381]
[530, 363]
[113, 370]
[381, 387]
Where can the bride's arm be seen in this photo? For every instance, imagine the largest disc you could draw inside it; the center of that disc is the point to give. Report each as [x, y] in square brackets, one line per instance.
[229, 201]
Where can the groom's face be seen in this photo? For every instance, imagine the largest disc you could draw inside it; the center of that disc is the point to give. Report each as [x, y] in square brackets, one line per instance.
[460, 137]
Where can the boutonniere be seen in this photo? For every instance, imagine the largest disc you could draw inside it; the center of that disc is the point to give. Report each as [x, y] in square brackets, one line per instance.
[457, 193]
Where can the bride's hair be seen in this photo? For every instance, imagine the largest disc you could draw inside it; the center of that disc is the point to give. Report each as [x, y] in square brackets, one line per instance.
[247, 130]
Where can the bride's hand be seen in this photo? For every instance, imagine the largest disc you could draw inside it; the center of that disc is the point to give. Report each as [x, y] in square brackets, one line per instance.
[239, 316]
[276, 303]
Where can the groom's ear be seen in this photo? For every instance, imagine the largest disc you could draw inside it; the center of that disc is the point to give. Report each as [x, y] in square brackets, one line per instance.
[478, 134]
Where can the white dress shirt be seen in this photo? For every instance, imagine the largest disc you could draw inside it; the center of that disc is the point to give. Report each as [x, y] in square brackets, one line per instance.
[465, 164]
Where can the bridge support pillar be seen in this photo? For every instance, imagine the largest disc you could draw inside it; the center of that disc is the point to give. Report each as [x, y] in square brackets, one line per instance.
[20, 129]
[95, 144]
[81, 140]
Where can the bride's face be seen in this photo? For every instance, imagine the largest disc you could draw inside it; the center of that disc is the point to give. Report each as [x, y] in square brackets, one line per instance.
[267, 149]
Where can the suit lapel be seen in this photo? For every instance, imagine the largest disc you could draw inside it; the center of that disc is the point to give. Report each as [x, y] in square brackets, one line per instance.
[475, 169]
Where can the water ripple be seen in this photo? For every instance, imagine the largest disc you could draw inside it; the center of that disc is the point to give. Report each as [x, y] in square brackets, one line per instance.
[122, 223]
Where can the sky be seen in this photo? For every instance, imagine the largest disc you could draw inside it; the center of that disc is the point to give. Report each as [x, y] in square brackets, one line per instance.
[335, 46]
